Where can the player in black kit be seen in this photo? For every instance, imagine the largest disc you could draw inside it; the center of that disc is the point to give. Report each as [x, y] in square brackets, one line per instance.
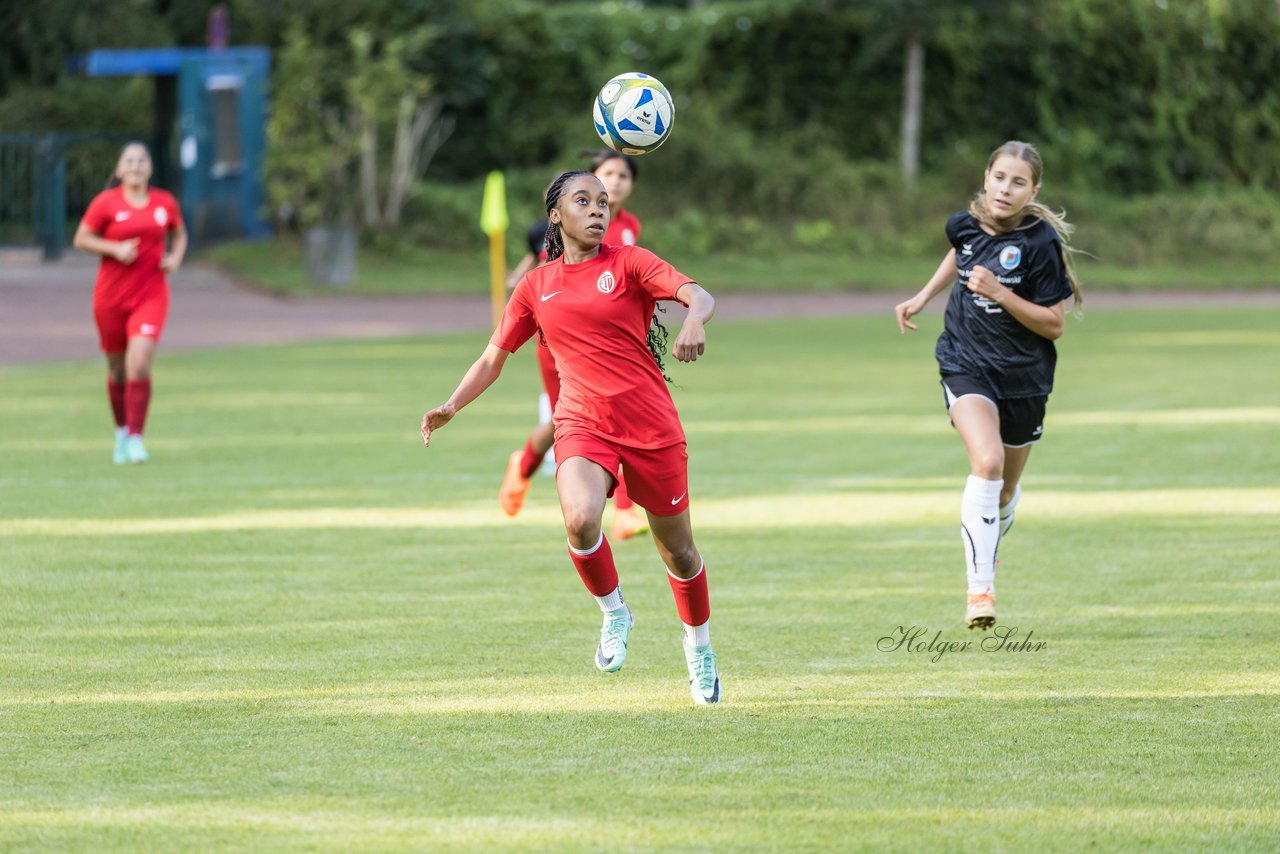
[1012, 274]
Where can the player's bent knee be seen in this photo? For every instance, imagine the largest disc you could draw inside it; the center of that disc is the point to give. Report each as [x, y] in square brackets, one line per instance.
[988, 465]
[582, 526]
[686, 561]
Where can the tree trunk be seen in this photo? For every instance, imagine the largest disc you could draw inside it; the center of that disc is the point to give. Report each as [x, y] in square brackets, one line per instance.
[369, 169]
[912, 108]
[420, 131]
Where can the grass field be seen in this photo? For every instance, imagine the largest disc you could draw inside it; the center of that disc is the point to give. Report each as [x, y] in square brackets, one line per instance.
[297, 628]
[278, 266]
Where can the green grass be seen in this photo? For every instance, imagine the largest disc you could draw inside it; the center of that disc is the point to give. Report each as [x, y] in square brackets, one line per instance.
[298, 629]
[278, 266]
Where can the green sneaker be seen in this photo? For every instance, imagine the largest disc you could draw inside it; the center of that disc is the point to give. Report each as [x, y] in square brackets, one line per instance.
[612, 651]
[704, 678]
[137, 450]
[120, 455]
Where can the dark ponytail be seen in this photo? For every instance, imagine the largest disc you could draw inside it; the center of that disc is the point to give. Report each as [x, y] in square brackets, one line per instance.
[604, 155]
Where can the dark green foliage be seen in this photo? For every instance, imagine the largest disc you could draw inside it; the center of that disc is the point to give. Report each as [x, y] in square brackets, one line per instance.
[788, 111]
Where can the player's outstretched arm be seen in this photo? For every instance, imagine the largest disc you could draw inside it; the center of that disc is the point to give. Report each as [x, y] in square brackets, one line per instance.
[477, 378]
[527, 263]
[691, 342]
[942, 277]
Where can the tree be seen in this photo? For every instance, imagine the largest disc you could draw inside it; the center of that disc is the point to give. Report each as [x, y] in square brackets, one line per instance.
[383, 92]
[353, 127]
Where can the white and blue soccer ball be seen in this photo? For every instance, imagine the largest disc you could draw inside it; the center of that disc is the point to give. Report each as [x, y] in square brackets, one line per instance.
[633, 113]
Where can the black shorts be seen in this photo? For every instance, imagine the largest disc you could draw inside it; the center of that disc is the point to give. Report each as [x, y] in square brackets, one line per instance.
[1021, 418]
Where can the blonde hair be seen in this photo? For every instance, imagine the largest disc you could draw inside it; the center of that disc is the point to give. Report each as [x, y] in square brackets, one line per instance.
[1027, 153]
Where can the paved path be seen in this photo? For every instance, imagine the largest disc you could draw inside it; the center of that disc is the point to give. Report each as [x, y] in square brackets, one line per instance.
[45, 310]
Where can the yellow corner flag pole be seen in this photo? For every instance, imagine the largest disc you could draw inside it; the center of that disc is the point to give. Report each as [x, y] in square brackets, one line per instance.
[493, 220]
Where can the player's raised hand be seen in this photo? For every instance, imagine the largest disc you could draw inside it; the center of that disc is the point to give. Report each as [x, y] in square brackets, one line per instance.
[691, 342]
[126, 251]
[435, 419]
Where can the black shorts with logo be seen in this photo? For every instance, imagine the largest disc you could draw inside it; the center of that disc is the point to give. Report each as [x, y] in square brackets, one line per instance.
[1021, 418]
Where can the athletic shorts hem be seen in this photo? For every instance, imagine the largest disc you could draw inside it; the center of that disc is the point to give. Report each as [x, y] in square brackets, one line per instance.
[657, 478]
[1021, 418]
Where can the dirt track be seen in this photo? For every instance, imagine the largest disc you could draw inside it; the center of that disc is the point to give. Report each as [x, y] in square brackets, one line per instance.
[45, 311]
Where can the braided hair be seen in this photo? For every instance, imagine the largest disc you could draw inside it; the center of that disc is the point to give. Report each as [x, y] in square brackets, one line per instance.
[658, 335]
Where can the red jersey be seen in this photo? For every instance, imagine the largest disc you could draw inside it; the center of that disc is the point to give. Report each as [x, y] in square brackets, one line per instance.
[595, 316]
[623, 230]
[111, 216]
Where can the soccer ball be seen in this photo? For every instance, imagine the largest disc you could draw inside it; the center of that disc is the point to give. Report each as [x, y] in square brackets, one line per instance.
[633, 113]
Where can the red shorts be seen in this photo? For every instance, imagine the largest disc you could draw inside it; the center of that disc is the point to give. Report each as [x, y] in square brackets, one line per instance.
[657, 478]
[117, 324]
[550, 376]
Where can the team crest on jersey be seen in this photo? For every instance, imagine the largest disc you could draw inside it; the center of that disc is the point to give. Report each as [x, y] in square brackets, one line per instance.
[606, 282]
[162, 216]
[1010, 257]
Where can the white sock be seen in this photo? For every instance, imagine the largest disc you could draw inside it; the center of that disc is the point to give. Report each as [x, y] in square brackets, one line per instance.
[122, 431]
[1006, 512]
[979, 513]
[613, 601]
[698, 635]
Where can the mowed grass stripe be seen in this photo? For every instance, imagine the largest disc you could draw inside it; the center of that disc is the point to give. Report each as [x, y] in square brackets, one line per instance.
[298, 629]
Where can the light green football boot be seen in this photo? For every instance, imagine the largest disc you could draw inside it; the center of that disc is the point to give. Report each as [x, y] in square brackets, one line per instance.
[704, 678]
[612, 650]
[137, 450]
[120, 455]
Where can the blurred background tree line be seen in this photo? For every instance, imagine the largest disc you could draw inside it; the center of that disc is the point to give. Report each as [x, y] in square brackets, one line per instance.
[801, 124]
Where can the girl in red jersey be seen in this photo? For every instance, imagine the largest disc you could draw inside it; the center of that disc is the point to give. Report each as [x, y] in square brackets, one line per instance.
[127, 224]
[594, 304]
[1010, 280]
[617, 172]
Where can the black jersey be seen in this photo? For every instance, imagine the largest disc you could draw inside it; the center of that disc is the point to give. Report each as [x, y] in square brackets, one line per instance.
[981, 339]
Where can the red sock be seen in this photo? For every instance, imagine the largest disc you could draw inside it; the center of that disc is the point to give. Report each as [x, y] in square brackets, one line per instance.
[620, 498]
[596, 569]
[693, 603]
[115, 393]
[530, 461]
[137, 396]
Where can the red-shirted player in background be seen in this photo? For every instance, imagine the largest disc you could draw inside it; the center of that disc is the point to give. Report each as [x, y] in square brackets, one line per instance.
[127, 224]
[594, 305]
[617, 172]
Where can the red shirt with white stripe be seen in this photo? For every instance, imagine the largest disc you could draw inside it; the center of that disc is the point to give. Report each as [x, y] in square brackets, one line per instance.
[595, 316]
[111, 216]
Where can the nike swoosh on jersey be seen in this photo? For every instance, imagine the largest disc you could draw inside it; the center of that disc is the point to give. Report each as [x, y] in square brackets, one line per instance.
[546, 297]
[676, 501]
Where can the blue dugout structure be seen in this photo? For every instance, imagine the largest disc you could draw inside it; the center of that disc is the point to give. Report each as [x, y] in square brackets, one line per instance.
[211, 118]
